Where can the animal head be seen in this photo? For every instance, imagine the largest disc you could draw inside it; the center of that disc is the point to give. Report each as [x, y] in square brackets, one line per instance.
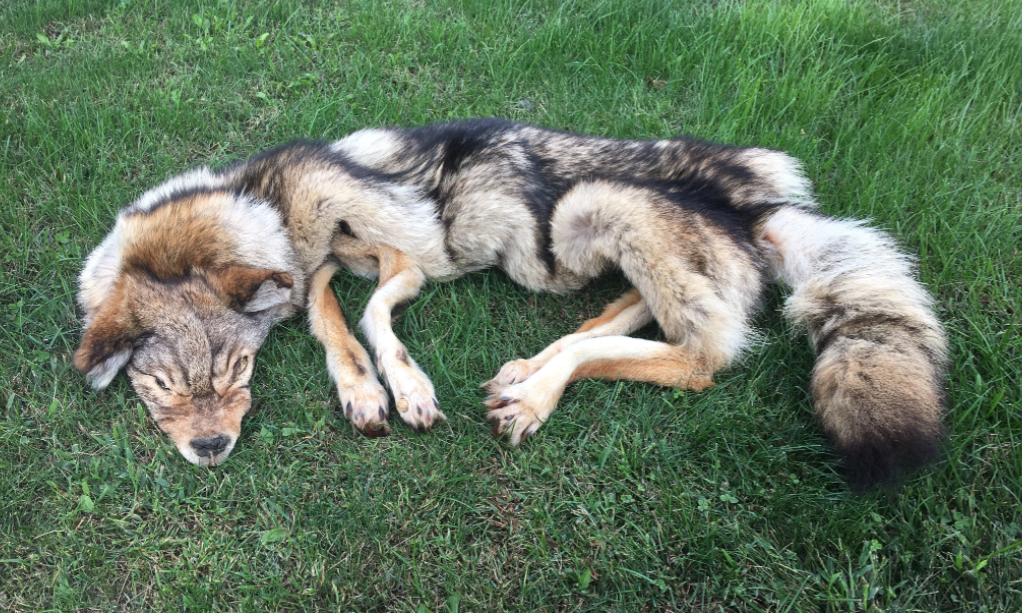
[189, 346]
[164, 297]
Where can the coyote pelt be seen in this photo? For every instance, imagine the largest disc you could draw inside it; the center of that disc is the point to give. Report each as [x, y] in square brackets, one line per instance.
[184, 289]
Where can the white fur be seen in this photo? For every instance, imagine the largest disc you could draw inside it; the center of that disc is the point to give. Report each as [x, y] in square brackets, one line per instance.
[193, 179]
[103, 373]
[369, 147]
[413, 392]
[261, 241]
[534, 399]
[627, 321]
[811, 253]
[784, 173]
[99, 274]
[268, 295]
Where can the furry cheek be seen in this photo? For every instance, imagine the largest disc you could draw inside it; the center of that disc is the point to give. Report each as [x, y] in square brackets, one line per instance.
[233, 407]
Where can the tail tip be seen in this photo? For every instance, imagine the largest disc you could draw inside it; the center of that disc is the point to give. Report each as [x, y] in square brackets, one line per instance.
[887, 459]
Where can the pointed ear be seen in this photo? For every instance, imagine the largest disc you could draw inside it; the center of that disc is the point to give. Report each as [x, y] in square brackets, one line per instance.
[252, 289]
[107, 342]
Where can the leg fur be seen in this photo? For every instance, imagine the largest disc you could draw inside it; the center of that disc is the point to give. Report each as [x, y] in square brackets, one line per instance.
[612, 310]
[523, 407]
[363, 399]
[400, 281]
[694, 276]
[621, 317]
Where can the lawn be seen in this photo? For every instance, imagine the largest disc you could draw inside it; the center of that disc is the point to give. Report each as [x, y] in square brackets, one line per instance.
[633, 497]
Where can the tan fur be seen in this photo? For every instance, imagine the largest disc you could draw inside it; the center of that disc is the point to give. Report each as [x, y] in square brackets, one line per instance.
[859, 384]
[611, 311]
[348, 362]
[669, 371]
[623, 316]
[392, 263]
[698, 283]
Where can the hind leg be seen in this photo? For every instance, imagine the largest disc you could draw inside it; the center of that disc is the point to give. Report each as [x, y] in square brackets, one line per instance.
[695, 272]
[621, 317]
[522, 408]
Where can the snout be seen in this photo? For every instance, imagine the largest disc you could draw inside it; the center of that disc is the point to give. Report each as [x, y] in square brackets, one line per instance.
[211, 450]
[210, 446]
[204, 429]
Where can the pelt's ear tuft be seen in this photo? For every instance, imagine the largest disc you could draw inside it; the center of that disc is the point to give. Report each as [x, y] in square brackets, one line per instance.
[107, 343]
[250, 290]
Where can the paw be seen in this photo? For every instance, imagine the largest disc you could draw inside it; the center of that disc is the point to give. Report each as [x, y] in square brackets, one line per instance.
[365, 406]
[513, 372]
[413, 395]
[511, 413]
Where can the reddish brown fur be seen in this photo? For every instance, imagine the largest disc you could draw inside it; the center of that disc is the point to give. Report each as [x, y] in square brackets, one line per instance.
[177, 420]
[238, 283]
[330, 323]
[392, 263]
[680, 371]
[612, 310]
[349, 358]
[171, 241]
[112, 328]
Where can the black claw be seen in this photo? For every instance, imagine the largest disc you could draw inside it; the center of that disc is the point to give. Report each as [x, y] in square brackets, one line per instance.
[347, 409]
[383, 414]
[513, 380]
[418, 410]
[436, 404]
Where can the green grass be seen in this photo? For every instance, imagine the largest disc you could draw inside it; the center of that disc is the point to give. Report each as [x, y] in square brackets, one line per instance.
[633, 497]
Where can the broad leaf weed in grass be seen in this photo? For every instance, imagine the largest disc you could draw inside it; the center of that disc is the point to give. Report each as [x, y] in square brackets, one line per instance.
[633, 497]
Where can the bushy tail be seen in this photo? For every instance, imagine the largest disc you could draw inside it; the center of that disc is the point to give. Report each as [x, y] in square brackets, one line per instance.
[878, 384]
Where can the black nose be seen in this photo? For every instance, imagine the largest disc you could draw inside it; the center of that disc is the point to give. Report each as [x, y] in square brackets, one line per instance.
[210, 446]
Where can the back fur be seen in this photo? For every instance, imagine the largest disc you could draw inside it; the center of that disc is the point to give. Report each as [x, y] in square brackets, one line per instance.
[881, 354]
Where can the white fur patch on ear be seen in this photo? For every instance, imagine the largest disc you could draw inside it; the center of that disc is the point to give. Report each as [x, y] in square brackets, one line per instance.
[268, 296]
[102, 374]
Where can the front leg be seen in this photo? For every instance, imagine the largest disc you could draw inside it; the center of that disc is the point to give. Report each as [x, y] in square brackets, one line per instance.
[400, 281]
[363, 399]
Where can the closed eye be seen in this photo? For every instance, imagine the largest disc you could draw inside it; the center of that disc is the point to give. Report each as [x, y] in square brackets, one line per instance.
[160, 382]
[239, 368]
